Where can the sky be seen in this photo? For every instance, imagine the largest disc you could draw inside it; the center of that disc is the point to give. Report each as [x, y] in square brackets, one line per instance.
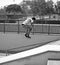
[54, 1]
[8, 2]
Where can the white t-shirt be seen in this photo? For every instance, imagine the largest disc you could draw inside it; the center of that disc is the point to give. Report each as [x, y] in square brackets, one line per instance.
[28, 21]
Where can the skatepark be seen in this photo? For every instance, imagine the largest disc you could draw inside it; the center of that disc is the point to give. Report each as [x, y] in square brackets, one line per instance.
[43, 48]
[15, 48]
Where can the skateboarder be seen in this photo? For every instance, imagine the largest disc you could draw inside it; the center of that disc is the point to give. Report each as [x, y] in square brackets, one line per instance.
[28, 25]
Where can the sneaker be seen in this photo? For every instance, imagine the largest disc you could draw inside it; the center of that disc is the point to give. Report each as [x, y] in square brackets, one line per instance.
[27, 36]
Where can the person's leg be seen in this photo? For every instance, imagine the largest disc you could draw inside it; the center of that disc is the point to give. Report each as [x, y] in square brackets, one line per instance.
[29, 28]
[26, 30]
[25, 27]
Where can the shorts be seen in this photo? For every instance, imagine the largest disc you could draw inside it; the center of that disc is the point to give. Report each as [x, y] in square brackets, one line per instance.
[27, 26]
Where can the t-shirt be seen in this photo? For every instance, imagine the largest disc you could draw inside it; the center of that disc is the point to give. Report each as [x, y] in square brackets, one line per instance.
[28, 21]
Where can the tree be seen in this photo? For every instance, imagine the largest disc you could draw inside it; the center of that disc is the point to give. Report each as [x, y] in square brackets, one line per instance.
[38, 7]
[26, 7]
[58, 7]
[14, 8]
[49, 7]
[2, 14]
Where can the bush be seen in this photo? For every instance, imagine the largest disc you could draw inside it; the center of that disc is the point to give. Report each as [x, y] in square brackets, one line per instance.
[47, 22]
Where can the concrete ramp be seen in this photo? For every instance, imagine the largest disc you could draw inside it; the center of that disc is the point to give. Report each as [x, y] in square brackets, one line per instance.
[30, 52]
[53, 62]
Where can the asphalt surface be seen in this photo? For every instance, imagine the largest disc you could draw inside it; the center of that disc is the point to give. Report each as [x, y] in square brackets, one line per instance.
[14, 40]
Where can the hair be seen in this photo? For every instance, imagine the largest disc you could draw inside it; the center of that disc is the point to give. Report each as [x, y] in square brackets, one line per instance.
[33, 18]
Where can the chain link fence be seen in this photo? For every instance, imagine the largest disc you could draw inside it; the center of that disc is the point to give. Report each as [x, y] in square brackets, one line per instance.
[14, 25]
[38, 28]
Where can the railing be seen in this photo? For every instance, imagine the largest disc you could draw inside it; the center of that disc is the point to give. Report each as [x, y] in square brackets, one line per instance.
[37, 28]
[17, 27]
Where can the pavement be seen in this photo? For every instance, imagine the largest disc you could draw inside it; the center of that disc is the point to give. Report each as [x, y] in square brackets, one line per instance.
[14, 41]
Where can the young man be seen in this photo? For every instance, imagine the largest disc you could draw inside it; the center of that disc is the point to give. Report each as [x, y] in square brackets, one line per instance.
[28, 25]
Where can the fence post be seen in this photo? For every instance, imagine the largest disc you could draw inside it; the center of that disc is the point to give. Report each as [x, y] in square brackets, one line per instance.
[4, 26]
[49, 24]
[33, 29]
[42, 27]
[6, 52]
[5, 21]
[18, 26]
[49, 29]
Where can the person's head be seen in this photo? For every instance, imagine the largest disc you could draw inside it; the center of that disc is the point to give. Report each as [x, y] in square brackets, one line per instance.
[33, 18]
